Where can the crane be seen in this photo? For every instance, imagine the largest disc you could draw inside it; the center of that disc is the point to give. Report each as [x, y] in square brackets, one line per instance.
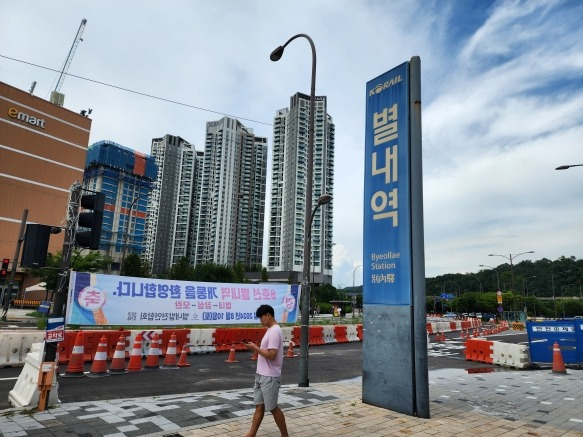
[56, 97]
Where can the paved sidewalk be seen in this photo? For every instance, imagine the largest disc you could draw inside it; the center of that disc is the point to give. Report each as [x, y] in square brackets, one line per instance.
[502, 403]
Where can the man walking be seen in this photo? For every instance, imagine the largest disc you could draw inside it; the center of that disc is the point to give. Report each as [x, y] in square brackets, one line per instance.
[268, 374]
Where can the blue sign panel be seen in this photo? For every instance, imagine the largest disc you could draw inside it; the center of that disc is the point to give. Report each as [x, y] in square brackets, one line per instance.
[387, 225]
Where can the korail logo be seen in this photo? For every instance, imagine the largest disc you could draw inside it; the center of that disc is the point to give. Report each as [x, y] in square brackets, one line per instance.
[383, 86]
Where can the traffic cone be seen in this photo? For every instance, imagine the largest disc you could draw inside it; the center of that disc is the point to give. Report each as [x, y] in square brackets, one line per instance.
[231, 358]
[75, 367]
[118, 363]
[99, 366]
[255, 355]
[135, 364]
[558, 363]
[153, 360]
[290, 350]
[170, 358]
[182, 361]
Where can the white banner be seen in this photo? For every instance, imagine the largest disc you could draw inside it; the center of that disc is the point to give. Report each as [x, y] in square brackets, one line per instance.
[96, 299]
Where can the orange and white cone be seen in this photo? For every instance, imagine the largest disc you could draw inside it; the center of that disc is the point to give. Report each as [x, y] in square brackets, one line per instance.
[255, 355]
[231, 358]
[170, 358]
[153, 360]
[99, 366]
[135, 364]
[558, 363]
[75, 367]
[290, 350]
[182, 362]
[118, 363]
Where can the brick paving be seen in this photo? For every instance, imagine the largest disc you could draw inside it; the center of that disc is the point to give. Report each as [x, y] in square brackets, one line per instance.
[501, 403]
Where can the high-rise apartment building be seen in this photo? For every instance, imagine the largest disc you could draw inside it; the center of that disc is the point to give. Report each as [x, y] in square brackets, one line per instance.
[171, 202]
[288, 196]
[126, 178]
[232, 195]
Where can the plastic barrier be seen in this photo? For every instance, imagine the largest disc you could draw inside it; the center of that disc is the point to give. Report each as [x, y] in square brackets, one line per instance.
[147, 337]
[317, 336]
[201, 341]
[296, 335]
[287, 334]
[429, 328]
[340, 334]
[222, 339]
[352, 333]
[479, 350]
[329, 334]
[14, 345]
[359, 331]
[25, 391]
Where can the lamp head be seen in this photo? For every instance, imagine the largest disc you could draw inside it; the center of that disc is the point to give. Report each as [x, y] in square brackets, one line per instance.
[324, 199]
[276, 54]
[562, 167]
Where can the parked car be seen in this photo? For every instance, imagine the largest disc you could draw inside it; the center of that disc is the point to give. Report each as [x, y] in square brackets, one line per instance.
[451, 315]
[478, 315]
[473, 315]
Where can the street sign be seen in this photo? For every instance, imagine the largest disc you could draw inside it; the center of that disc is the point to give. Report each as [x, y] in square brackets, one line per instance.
[500, 309]
[55, 329]
[499, 299]
[498, 293]
[447, 296]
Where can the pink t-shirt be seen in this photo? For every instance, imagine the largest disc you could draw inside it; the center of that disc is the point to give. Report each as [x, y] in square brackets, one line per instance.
[273, 339]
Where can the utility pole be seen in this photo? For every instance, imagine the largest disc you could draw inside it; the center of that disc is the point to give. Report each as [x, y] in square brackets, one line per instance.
[68, 244]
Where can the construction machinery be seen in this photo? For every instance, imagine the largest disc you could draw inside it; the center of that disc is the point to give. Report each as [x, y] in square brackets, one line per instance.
[56, 96]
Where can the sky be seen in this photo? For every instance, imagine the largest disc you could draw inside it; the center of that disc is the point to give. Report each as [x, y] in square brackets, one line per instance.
[502, 100]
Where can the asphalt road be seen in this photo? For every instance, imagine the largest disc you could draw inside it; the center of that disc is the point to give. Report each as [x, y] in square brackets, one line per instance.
[210, 372]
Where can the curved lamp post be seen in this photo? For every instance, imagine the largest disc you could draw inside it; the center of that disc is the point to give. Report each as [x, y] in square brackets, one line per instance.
[353, 272]
[305, 300]
[496, 271]
[510, 258]
[565, 167]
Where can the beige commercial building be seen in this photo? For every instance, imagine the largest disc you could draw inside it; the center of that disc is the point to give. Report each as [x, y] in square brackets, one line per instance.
[43, 149]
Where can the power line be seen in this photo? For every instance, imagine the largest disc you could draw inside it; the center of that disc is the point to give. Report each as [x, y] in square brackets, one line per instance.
[137, 92]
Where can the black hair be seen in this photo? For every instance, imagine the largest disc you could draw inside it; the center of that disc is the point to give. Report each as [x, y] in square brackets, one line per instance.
[264, 309]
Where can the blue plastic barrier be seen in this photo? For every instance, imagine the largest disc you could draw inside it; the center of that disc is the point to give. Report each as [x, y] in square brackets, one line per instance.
[543, 334]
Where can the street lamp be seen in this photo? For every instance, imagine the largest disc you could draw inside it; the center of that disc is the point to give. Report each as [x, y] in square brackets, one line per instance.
[125, 237]
[303, 365]
[525, 290]
[496, 271]
[353, 272]
[565, 167]
[510, 258]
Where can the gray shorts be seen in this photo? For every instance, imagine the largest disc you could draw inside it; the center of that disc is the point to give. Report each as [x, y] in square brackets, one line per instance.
[266, 391]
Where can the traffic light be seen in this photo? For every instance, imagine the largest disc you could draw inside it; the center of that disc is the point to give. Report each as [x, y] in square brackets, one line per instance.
[91, 220]
[4, 269]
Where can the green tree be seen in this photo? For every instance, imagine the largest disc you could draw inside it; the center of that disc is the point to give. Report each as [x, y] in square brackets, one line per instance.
[211, 272]
[91, 262]
[182, 271]
[134, 266]
[264, 275]
[239, 271]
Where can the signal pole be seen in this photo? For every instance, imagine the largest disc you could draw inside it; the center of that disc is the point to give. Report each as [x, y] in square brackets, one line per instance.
[8, 290]
[68, 243]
